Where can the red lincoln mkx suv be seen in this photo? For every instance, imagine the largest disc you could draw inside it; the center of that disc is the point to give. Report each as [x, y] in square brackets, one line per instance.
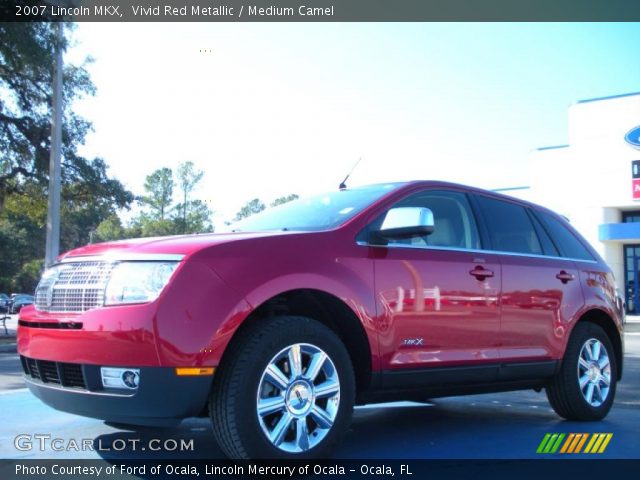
[275, 330]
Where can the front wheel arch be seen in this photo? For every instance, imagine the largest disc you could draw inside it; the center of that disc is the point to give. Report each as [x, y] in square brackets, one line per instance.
[237, 393]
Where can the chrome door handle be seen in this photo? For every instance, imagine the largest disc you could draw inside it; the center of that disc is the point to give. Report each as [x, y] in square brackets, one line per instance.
[481, 273]
[564, 277]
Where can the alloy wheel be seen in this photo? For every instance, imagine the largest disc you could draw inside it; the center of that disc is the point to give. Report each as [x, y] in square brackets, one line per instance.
[298, 398]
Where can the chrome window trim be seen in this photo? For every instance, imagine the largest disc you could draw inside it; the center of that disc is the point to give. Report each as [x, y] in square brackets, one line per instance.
[124, 257]
[473, 250]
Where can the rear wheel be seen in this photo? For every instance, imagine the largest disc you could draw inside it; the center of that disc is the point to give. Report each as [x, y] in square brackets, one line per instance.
[285, 390]
[586, 384]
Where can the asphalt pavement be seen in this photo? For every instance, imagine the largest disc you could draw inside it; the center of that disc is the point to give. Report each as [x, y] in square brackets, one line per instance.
[493, 426]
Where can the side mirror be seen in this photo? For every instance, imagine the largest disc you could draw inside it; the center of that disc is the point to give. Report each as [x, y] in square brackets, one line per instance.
[404, 222]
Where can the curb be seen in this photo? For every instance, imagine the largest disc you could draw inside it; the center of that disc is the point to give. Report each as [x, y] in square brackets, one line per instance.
[632, 327]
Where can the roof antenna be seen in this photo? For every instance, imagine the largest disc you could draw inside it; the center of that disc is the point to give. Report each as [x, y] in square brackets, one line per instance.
[343, 184]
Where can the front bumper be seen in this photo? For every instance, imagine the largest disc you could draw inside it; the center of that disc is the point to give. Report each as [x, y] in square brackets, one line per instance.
[161, 399]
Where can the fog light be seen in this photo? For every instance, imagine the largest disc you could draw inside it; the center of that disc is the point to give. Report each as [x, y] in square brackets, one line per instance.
[128, 378]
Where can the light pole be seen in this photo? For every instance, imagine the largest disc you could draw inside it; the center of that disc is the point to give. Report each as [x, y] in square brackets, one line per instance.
[53, 215]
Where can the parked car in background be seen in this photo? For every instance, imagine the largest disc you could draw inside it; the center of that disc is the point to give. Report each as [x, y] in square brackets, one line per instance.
[4, 300]
[402, 291]
[18, 301]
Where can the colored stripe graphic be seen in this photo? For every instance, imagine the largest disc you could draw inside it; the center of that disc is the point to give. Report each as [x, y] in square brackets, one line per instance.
[594, 437]
[543, 443]
[574, 442]
[600, 442]
[570, 439]
[582, 442]
[606, 442]
[550, 443]
[556, 445]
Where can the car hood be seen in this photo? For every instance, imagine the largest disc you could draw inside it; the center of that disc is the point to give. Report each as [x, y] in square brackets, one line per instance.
[173, 245]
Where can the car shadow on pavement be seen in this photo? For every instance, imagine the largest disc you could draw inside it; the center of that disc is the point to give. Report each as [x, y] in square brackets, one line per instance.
[506, 425]
[192, 439]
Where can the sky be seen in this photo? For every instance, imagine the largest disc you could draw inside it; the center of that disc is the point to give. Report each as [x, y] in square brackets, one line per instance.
[271, 109]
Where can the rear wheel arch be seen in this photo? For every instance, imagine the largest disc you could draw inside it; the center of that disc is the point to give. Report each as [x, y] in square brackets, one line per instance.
[604, 321]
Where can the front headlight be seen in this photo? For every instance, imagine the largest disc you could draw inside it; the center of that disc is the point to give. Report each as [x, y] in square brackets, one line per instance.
[137, 282]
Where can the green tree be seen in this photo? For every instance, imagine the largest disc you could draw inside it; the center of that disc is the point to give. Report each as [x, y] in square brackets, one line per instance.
[149, 226]
[16, 248]
[159, 192]
[26, 59]
[198, 219]
[27, 278]
[110, 228]
[283, 200]
[253, 206]
[89, 195]
[188, 178]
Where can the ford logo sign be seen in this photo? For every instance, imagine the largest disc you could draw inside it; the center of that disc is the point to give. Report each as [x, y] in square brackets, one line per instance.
[633, 137]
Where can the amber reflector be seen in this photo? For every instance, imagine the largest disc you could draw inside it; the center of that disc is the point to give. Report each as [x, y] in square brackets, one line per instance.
[194, 371]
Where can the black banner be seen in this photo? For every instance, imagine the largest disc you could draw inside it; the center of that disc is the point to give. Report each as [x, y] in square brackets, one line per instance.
[319, 10]
[329, 469]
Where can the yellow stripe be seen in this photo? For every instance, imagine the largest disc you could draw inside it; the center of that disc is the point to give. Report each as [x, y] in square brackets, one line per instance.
[596, 446]
[566, 444]
[594, 437]
[605, 443]
[584, 439]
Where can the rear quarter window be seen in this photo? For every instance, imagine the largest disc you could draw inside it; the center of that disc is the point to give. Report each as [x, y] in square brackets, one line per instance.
[564, 238]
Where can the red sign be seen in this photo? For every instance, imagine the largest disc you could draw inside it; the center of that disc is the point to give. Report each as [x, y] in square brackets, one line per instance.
[635, 183]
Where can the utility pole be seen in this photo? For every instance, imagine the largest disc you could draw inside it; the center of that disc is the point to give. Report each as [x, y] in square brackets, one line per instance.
[53, 215]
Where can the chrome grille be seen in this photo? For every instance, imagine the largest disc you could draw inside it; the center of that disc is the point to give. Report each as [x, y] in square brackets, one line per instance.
[73, 287]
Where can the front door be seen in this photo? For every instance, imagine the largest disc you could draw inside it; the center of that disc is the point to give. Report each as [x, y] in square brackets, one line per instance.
[437, 312]
[438, 297]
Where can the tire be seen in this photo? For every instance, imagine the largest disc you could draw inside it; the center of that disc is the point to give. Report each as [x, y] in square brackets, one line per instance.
[590, 359]
[296, 419]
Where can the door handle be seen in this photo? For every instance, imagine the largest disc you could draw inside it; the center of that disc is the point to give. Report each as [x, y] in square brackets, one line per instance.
[481, 273]
[564, 277]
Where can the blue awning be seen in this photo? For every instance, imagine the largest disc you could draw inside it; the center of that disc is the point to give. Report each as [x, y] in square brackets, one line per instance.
[609, 232]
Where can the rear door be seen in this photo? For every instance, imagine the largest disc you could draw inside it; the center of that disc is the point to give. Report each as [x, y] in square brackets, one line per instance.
[540, 289]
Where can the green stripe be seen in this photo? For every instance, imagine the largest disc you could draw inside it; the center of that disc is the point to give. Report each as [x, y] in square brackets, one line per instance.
[547, 449]
[557, 445]
[543, 443]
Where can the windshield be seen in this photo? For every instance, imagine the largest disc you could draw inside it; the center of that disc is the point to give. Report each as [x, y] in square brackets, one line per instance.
[320, 212]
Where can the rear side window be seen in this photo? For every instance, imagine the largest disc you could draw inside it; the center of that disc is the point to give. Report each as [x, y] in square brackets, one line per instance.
[510, 228]
[547, 244]
[566, 241]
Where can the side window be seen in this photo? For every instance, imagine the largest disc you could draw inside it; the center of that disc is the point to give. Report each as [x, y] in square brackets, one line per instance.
[454, 225]
[569, 245]
[509, 226]
[547, 244]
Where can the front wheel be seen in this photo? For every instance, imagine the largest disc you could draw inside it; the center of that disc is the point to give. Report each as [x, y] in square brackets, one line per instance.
[586, 384]
[285, 390]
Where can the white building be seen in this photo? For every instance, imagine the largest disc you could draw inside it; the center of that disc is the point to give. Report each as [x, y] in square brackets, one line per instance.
[591, 182]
